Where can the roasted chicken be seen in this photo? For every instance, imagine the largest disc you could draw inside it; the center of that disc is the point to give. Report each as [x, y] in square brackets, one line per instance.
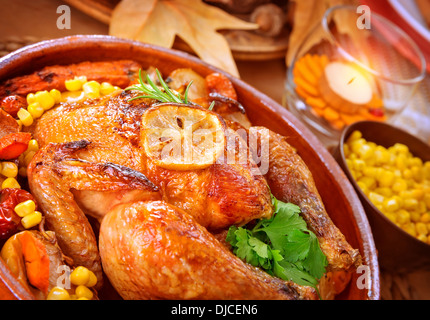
[159, 227]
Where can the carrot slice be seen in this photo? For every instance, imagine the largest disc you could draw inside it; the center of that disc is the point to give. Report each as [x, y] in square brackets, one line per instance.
[13, 144]
[219, 83]
[36, 261]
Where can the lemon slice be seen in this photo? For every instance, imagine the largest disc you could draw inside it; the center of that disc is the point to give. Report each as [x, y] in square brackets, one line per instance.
[182, 137]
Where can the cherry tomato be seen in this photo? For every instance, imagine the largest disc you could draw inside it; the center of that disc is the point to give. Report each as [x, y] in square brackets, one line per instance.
[9, 220]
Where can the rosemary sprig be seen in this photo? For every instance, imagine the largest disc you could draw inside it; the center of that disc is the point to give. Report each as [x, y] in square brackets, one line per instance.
[152, 91]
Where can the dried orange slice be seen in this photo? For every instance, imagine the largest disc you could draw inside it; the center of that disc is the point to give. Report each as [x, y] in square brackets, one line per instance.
[182, 137]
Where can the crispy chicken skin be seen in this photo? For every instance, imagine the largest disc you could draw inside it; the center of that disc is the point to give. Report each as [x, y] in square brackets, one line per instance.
[54, 173]
[153, 250]
[218, 196]
[118, 73]
[112, 125]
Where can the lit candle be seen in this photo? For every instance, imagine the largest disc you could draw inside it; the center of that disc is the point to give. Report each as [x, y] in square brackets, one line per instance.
[345, 87]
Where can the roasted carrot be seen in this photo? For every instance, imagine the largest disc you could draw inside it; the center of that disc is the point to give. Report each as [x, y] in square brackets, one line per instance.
[11, 104]
[36, 261]
[220, 84]
[13, 144]
[118, 73]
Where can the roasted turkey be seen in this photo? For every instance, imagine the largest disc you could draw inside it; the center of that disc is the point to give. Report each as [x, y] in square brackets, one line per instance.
[159, 235]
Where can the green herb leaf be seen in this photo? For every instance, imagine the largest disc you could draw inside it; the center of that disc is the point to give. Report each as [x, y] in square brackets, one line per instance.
[297, 245]
[281, 245]
[152, 91]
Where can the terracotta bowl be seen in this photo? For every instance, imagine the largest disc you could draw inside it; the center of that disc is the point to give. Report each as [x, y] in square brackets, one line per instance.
[341, 201]
[397, 249]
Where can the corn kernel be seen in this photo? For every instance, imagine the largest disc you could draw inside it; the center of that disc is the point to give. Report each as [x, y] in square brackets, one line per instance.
[31, 220]
[355, 136]
[56, 94]
[25, 117]
[35, 110]
[410, 204]
[73, 84]
[80, 276]
[358, 164]
[83, 292]
[363, 187]
[365, 152]
[370, 172]
[30, 98]
[421, 228]
[92, 280]
[376, 198]
[403, 216]
[415, 162]
[9, 169]
[400, 148]
[356, 145]
[33, 145]
[386, 192]
[401, 162]
[399, 185]
[410, 228]
[106, 88]
[425, 218]
[58, 293]
[28, 157]
[25, 208]
[45, 99]
[391, 216]
[10, 183]
[91, 87]
[368, 181]
[417, 173]
[386, 179]
[381, 155]
[422, 237]
[391, 205]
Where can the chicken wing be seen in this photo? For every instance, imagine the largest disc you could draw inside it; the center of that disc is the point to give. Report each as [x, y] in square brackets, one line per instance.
[54, 173]
[153, 250]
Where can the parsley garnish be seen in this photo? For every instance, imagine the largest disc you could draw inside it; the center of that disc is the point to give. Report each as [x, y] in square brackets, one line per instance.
[281, 245]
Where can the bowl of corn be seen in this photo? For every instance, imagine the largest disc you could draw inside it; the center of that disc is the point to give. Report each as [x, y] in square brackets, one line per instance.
[390, 170]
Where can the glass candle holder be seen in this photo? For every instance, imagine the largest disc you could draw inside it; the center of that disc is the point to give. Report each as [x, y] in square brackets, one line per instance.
[368, 73]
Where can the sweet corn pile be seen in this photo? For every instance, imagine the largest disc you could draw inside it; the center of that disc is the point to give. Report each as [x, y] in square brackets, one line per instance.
[83, 279]
[394, 180]
[78, 89]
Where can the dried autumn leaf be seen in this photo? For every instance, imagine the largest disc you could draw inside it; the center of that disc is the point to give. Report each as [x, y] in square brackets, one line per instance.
[129, 16]
[196, 23]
